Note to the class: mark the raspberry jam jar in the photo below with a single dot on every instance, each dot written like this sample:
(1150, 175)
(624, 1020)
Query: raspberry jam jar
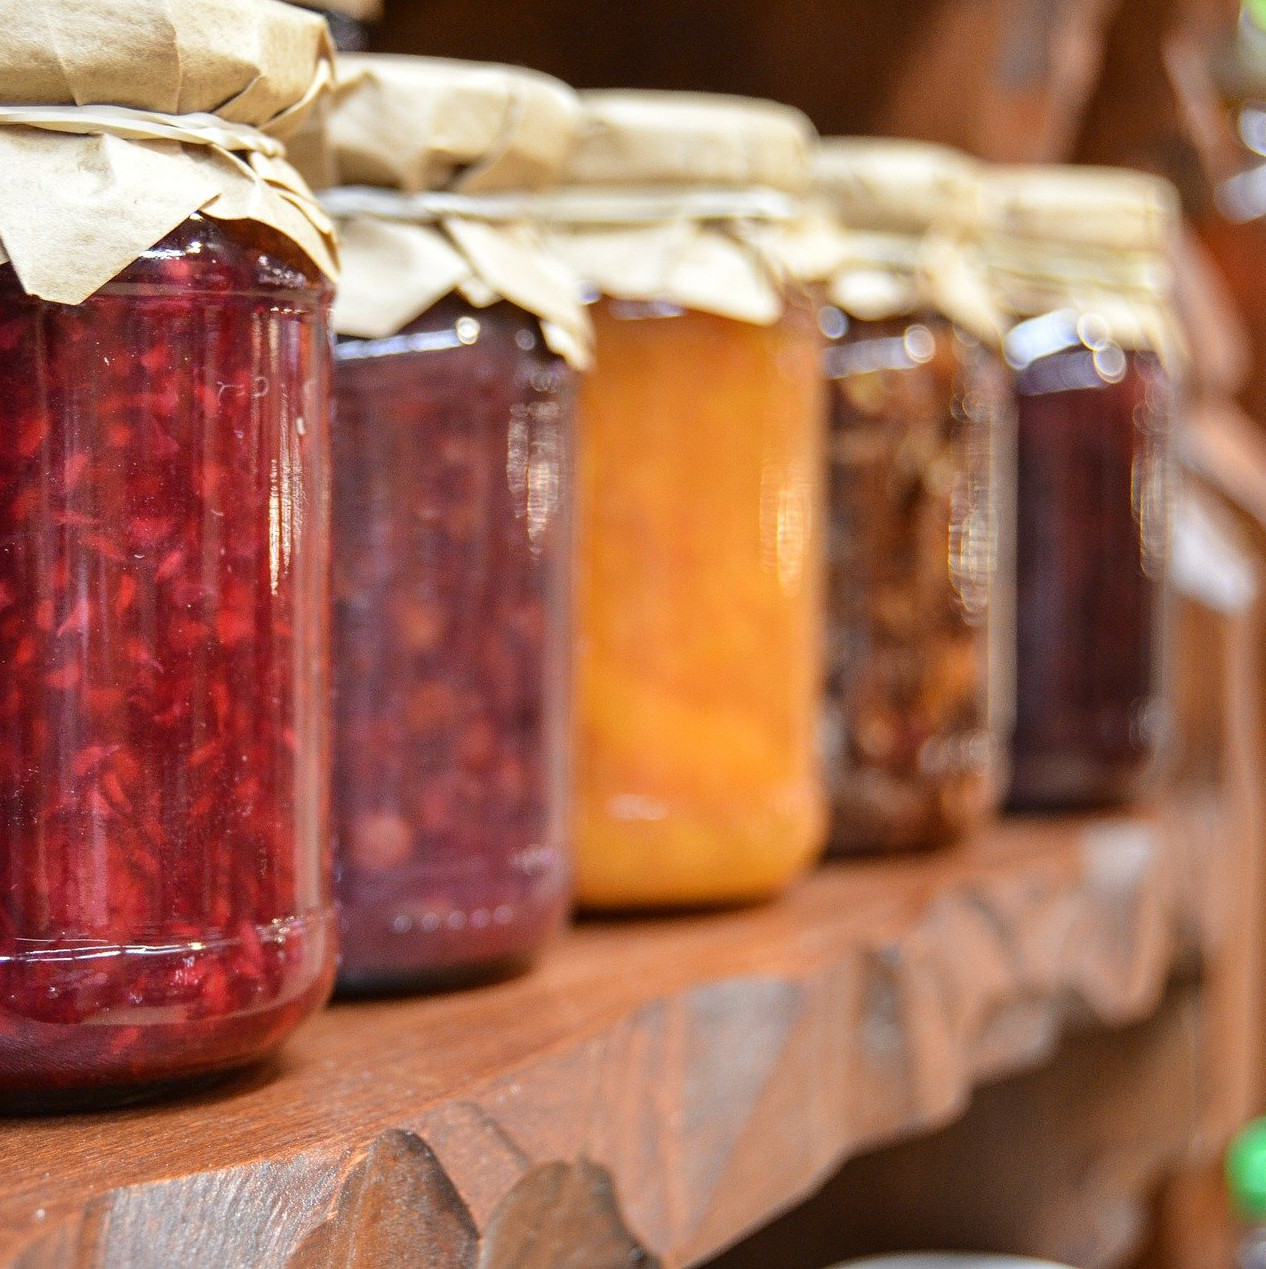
(451, 607)
(1079, 259)
(164, 488)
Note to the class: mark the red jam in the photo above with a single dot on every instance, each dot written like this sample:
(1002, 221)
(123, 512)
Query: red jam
(1092, 539)
(164, 912)
(452, 567)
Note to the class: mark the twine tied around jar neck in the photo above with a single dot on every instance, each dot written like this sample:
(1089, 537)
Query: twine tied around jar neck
(577, 206)
(1131, 291)
(404, 251)
(146, 125)
(875, 274)
(713, 248)
(1046, 265)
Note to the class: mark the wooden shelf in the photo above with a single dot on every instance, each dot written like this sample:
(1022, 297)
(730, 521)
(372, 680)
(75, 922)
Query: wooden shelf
(657, 1088)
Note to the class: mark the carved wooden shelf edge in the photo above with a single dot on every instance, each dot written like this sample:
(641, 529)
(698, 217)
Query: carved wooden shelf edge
(656, 1089)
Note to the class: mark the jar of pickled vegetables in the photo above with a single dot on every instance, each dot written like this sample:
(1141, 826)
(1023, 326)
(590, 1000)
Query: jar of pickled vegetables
(1077, 259)
(701, 517)
(459, 337)
(165, 909)
(918, 691)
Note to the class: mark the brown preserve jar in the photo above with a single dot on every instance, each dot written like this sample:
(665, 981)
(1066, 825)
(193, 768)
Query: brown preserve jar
(920, 472)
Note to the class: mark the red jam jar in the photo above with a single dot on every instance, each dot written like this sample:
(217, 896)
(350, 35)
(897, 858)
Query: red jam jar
(164, 493)
(452, 551)
(1078, 258)
(165, 905)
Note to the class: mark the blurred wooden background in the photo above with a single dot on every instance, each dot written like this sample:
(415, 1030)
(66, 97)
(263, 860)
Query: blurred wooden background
(1006, 79)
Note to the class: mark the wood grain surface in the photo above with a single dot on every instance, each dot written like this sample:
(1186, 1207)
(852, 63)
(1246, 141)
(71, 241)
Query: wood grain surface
(656, 1089)
(1057, 1163)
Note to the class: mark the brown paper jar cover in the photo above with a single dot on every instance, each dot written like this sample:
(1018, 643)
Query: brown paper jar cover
(488, 136)
(683, 197)
(1089, 239)
(89, 189)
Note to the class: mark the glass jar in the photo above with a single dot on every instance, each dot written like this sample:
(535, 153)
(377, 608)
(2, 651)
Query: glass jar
(701, 503)
(699, 606)
(918, 639)
(1093, 425)
(911, 757)
(164, 899)
(452, 575)
(459, 335)
(1079, 260)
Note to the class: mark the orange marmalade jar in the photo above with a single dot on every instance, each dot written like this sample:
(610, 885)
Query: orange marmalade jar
(700, 491)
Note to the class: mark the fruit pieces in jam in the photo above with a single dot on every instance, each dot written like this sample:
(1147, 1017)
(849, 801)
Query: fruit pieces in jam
(452, 600)
(164, 908)
(699, 618)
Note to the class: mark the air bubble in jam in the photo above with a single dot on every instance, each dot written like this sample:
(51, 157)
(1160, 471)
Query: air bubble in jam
(451, 598)
(164, 909)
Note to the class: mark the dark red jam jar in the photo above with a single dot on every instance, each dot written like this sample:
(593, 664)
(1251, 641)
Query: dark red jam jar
(452, 575)
(1079, 265)
(164, 490)
(1093, 426)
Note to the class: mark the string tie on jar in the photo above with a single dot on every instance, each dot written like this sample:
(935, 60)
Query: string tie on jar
(132, 124)
(1127, 290)
(580, 206)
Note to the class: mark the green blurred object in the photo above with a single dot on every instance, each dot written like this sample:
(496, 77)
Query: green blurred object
(1246, 1170)
(1255, 11)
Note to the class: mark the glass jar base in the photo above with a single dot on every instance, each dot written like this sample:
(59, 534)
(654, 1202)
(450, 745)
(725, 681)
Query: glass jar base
(867, 836)
(853, 846)
(1071, 784)
(99, 1049)
(431, 980)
